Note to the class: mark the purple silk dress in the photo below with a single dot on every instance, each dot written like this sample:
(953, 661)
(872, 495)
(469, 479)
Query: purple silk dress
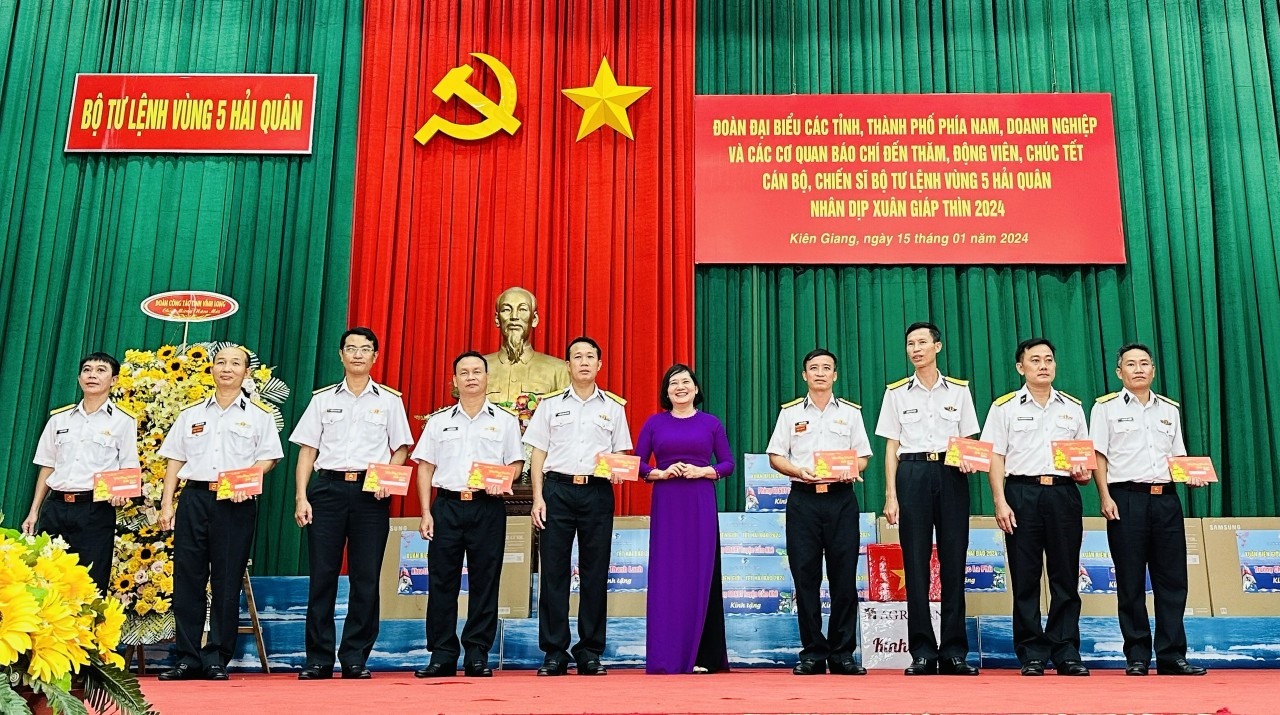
(685, 624)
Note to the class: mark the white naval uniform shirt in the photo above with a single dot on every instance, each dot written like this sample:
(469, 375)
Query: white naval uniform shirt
(211, 440)
(803, 429)
(77, 445)
(1022, 431)
(572, 431)
(1136, 439)
(452, 441)
(924, 419)
(352, 431)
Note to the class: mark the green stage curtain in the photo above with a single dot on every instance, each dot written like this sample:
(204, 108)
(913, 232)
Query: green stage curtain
(84, 238)
(1193, 86)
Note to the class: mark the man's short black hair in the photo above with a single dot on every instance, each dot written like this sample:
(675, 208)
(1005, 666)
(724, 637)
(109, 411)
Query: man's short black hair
(1132, 346)
(664, 399)
(816, 353)
(362, 332)
(933, 330)
(1029, 343)
(588, 341)
(102, 357)
(469, 354)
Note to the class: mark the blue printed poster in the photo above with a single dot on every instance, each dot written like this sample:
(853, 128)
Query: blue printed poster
(767, 490)
(1097, 570)
(985, 569)
(1259, 560)
(628, 562)
(413, 579)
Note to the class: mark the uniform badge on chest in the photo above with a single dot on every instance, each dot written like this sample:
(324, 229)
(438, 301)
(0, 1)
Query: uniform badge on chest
(801, 427)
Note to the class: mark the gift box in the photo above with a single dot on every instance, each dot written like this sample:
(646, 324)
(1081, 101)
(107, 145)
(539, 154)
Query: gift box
(886, 577)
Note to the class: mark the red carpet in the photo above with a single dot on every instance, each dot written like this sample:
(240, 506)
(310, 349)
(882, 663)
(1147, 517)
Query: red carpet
(757, 691)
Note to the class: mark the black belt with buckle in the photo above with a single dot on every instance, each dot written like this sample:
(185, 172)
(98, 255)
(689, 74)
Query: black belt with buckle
(354, 475)
(468, 495)
(1044, 480)
(200, 485)
(74, 497)
(922, 457)
(1144, 487)
(821, 487)
(576, 479)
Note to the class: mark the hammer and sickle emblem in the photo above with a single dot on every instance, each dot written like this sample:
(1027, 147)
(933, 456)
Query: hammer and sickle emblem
(497, 116)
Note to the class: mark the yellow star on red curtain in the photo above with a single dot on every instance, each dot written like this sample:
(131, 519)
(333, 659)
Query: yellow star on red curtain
(605, 102)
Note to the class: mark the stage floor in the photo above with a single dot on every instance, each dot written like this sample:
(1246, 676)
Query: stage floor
(755, 691)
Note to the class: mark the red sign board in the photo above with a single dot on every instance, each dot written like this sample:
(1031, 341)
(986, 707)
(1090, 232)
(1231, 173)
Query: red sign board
(906, 179)
(198, 113)
(189, 306)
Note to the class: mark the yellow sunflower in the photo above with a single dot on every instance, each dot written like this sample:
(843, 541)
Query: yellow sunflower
(19, 618)
(124, 583)
(174, 367)
(166, 352)
(198, 353)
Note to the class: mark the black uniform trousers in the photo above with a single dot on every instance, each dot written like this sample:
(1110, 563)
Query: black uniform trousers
(1048, 535)
(821, 525)
(88, 527)
(1150, 536)
(475, 529)
(584, 510)
(933, 496)
(344, 516)
(211, 544)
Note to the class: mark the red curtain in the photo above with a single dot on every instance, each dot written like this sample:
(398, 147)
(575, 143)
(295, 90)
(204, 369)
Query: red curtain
(600, 230)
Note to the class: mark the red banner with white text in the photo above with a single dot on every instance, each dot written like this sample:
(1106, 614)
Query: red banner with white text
(198, 113)
(906, 179)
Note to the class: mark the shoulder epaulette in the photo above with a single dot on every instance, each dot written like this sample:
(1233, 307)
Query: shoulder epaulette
(509, 410)
(850, 403)
(1005, 398)
(549, 395)
(446, 408)
(197, 403)
(62, 409)
(326, 387)
(1107, 397)
(792, 403)
(392, 390)
(1073, 398)
(615, 398)
(1162, 397)
(263, 406)
(135, 417)
(899, 383)
(957, 381)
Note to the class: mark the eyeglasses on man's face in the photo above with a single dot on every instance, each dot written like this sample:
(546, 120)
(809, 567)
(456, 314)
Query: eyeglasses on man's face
(354, 350)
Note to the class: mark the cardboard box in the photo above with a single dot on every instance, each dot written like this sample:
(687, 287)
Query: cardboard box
(1244, 565)
(1104, 604)
(987, 584)
(513, 589)
(628, 570)
(883, 633)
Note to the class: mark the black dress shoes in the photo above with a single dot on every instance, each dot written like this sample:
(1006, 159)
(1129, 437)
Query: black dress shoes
(183, 671)
(1033, 667)
(215, 672)
(1179, 667)
(553, 667)
(808, 666)
(477, 669)
(922, 666)
(845, 666)
(355, 672)
(1072, 668)
(592, 667)
(436, 670)
(316, 672)
(1135, 668)
(955, 666)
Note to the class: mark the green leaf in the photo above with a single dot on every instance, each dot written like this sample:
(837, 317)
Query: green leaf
(60, 700)
(108, 688)
(10, 701)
